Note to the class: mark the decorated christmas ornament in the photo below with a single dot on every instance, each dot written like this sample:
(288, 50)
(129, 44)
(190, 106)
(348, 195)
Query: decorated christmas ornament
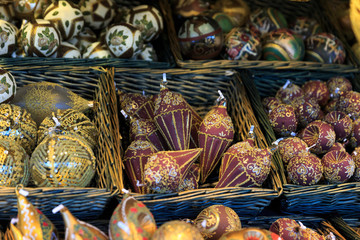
(148, 20)
(289, 92)
(309, 233)
(39, 38)
(148, 53)
(332, 105)
(189, 8)
(250, 234)
(76, 229)
(42, 98)
(355, 155)
(173, 118)
(96, 50)
(305, 27)
(177, 230)
(66, 17)
(216, 220)
(283, 120)
(338, 147)
(14, 164)
(318, 49)
(17, 125)
(307, 110)
(67, 50)
(85, 38)
(341, 123)
(137, 105)
(288, 229)
(124, 40)
(195, 125)
(270, 102)
(31, 222)
(238, 10)
(321, 135)
(165, 171)
(338, 86)
(241, 44)
(97, 13)
(62, 161)
(349, 103)
(192, 179)
(283, 45)
(316, 90)
(200, 38)
(267, 20)
(216, 133)
(224, 20)
(7, 11)
(305, 169)
(7, 38)
(355, 134)
(30, 10)
(131, 219)
(7, 86)
(291, 147)
(68, 122)
(338, 166)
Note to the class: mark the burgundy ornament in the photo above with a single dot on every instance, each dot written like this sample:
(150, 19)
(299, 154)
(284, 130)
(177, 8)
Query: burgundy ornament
(286, 228)
(341, 123)
(270, 102)
(332, 105)
(306, 110)
(350, 104)
(136, 105)
(283, 120)
(135, 158)
(305, 170)
(191, 180)
(317, 90)
(195, 124)
(165, 171)
(291, 147)
(355, 134)
(289, 92)
(216, 133)
(338, 86)
(356, 157)
(337, 147)
(321, 115)
(321, 135)
(310, 234)
(338, 166)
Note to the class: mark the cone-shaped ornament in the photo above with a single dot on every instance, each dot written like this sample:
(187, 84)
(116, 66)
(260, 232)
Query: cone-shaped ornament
(216, 133)
(76, 229)
(16, 233)
(137, 105)
(195, 124)
(173, 118)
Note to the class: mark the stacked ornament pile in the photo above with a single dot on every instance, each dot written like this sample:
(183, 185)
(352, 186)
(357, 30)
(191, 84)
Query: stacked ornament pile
(168, 136)
(320, 122)
(45, 139)
(90, 29)
(228, 30)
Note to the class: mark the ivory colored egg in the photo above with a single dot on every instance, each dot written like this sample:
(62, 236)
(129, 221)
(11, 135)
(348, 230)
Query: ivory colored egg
(148, 53)
(7, 38)
(85, 38)
(7, 86)
(30, 9)
(97, 13)
(67, 50)
(7, 12)
(96, 50)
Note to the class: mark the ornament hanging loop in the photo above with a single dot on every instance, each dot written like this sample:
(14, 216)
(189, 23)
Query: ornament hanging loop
(221, 99)
(164, 81)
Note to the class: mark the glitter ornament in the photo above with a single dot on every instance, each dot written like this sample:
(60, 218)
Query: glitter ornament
(338, 166)
(97, 13)
(66, 17)
(191, 180)
(321, 135)
(307, 110)
(338, 86)
(250, 234)
(283, 120)
(305, 169)
(216, 220)
(42, 98)
(165, 171)
(177, 230)
(267, 19)
(289, 92)
(291, 147)
(137, 105)
(305, 27)
(67, 50)
(30, 10)
(270, 102)
(317, 90)
(7, 38)
(341, 123)
(17, 125)
(7, 86)
(77, 229)
(355, 155)
(96, 50)
(355, 134)
(131, 219)
(349, 103)
(62, 161)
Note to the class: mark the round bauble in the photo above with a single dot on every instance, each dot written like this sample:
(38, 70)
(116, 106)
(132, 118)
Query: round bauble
(338, 166)
(97, 50)
(148, 53)
(305, 27)
(192, 179)
(30, 10)
(341, 123)
(85, 38)
(267, 19)
(124, 40)
(283, 45)
(319, 136)
(238, 10)
(349, 103)
(62, 161)
(305, 169)
(289, 92)
(283, 120)
(356, 157)
(148, 20)
(317, 90)
(324, 48)
(241, 44)
(14, 164)
(97, 13)
(216, 220)
(337, 147)
(338, 86)
(307, 110)
(67, 50)
(39, 38)
(291, 147)
(332, 105)
(224, 20)
(355, 134)
(7, 86)
(286, 228)
(250, 234)
(270, 102)
(177, 230)
(200, 38)
(7, 38)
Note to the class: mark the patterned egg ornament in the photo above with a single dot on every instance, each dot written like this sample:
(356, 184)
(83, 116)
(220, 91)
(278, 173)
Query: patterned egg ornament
(338, 166)
(30, 9)
(324, 48)
(349, 103)
(200, 38)
(356, 157)
(124, 40)
(192, 179)
(131, 219)
(7, 86)
(148, 20)
(317, 90)
(148, 53)
(289, 229)
(283, 45)
(241, 44)
(250, 233)
(305, 169)
(177, 230)
(165, 171)
(7, 38)
(97, 50)
(216, 220)
(224, 20)
(338, 147)
(341, 123)
(137, 105)
(283, 120)
(238, 10)
(270, 102)
(66, 17)
(97, 13)
(62, 161)
(355, 134)
(85, 38)
(291, 147)
(39, 38)
(305, 27)
(338, 86)
(267, 20)
(307, 110)
(7, 12)
(289, 92)
(320, 135)
(67, 50)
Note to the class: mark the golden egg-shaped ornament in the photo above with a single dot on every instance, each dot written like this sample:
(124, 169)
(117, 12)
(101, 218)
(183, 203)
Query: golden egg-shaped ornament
(177, 230)
(7, 86)
(250, 234)
(17, 124)
(216, 220)
(130, 220)
(68, 122)
(30, 9)
(14, 164)
(62, 161)
(42, 98)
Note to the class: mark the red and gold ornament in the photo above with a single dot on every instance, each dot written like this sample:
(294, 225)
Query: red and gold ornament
(307, 110)
(341, 123)
(289, 92)
(338, 166)
(177, 230)
(350, 104)
(338, 85)
(317, 90)
(305, 169)
(291, 147)
(192, 178)
(270, 102)
(283, 120)
(356, 157)
(355, 134)
(321, 135)
(137, 105)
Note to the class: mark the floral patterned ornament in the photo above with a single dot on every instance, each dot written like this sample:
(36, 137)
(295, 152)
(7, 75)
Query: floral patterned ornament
(30, 9)
(339, 166)
(305, 169)
(7, 86)
(97, 13)
(7, 38)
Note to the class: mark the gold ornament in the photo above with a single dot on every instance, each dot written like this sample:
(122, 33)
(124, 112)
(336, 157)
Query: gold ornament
(17, 124)
(68, 122)
(177, 230)
(62, 161)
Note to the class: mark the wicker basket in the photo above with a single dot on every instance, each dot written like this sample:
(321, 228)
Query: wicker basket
(199, 87)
